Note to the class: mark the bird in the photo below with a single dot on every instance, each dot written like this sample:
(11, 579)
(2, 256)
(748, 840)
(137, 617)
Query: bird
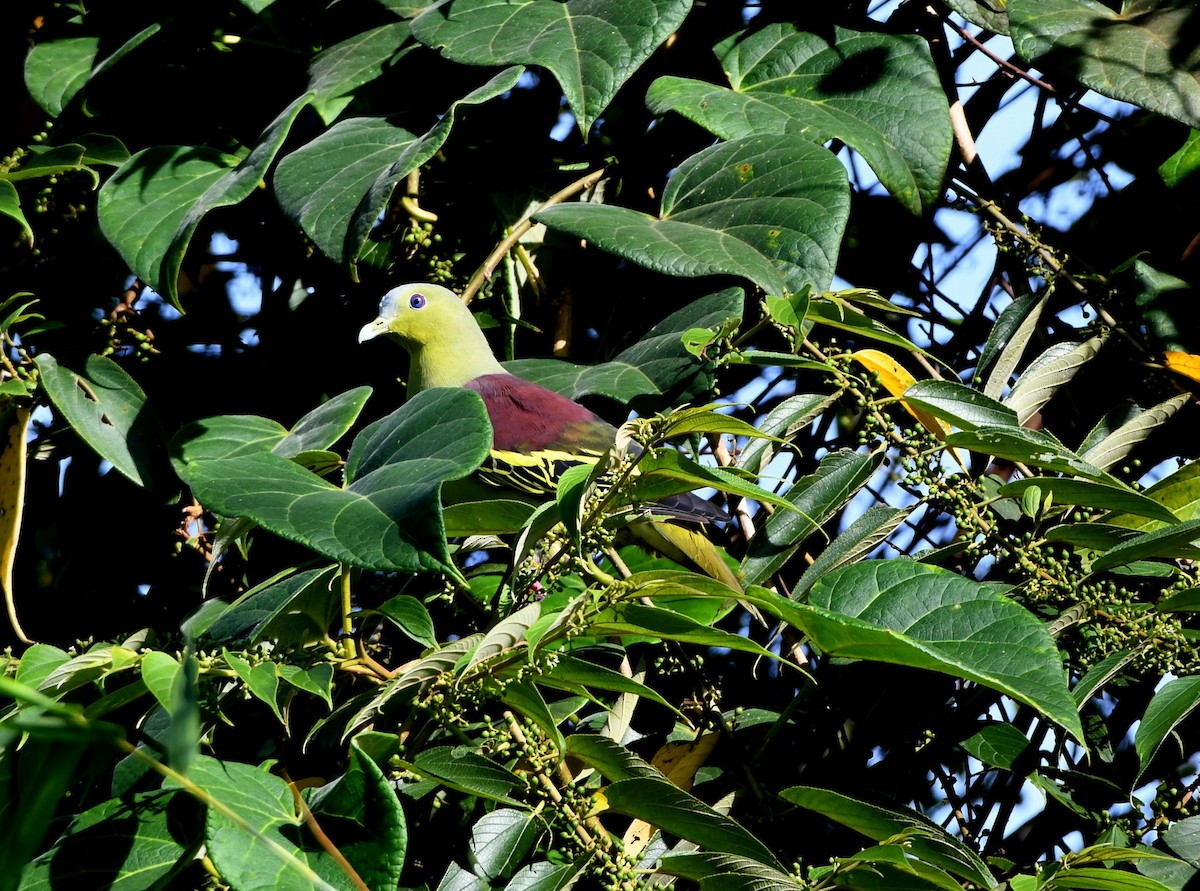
(537, 433)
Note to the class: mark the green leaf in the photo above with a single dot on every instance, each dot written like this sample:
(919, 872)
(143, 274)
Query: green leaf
(616, 380)
(660, 355)
(668, 807)
(505, 635)
(295, 611)
(923, 838)
(713, 869)
(1120, 442)
(1185, 601)
(839, 314)
(1173, 702)
(669, 472)
(1183, 163)
(590, 46)
(906, 613)
(524, 698)
(988, 14)
(500, 840)
(423, 672)
(253, 849)
(261, 679)
(571, 674)
(38, 662)
(335, 186)
(108, 410)
(878, 93)
(317, 680)
(998, 745)
(56, 70)
(816, 497)
(10, 206)
(150, 208)
(1033, 447)
(1099, 675)
(613, 760)
(1089, 494)
(1170, 541)
(771, 209)
(322, 427)
(1048, 373)
(1179, 493)
(783, 421)
(411, 617)
(1010, 335)
(158, 671)
(389, 516)
(129, 841)
(335, 73)
(1099, 878)
(636, 620)
(960, 405)
(1147, 57)
(362, 811)
(464, 770)
(860, 538)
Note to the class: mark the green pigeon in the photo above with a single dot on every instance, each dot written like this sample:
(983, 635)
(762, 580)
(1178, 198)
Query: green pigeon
(536, 433)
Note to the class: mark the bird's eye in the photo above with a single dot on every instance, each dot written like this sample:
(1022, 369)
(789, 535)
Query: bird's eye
(416, 301)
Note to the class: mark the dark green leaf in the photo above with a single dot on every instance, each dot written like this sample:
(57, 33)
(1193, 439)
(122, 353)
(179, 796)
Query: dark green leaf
(150, 208)
(335, 73)
(878, 93)
(55, 70)
(411, 617)
(998, 745)
(1171, 704)
(960, 405)
(108, 410)
(925, 839)
(590, 46)
(501, 839)
(907, 613)
(128, 841)
(1034, 447)
(10, 206)
(295, 611)
(616, 380)
(768, 208)
(1149, 58)
(336, 186)
(1090, 494)
(662, 804)
(462, 769)
(389, 517)
(816, 498)
(1170, 541)
(860, 538)
(614, 761)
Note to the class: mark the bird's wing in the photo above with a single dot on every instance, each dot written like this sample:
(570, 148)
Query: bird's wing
(536, 433)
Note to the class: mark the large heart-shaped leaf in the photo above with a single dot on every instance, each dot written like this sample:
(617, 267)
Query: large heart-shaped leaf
(590, 46)
(907, 613)
(151, 206)
(1148, 57)
(335, 186)
(388, 517)
(878, 93)
(768, 208)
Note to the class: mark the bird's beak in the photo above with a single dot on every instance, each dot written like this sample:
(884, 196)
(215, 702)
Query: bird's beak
(372, 330)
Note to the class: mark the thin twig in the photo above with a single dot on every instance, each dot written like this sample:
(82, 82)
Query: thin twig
(485, 271)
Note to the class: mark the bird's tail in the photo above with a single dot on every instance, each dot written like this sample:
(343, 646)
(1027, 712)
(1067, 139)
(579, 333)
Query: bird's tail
(688, 507)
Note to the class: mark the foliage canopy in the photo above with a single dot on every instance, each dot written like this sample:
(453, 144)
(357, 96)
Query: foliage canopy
(943, 388)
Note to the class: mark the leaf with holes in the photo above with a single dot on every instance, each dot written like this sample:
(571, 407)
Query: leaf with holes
(108, 410)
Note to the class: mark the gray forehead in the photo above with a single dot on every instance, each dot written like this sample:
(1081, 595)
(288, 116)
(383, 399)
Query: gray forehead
(392, 302)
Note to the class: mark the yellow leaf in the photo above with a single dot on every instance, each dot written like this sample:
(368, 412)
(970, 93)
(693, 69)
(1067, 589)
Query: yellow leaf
(1184, 364)
(896, 379)
(13, 420)
(678, 762)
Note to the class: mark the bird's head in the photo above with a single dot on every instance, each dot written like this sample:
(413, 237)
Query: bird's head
(439, 332)
(418, 314)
